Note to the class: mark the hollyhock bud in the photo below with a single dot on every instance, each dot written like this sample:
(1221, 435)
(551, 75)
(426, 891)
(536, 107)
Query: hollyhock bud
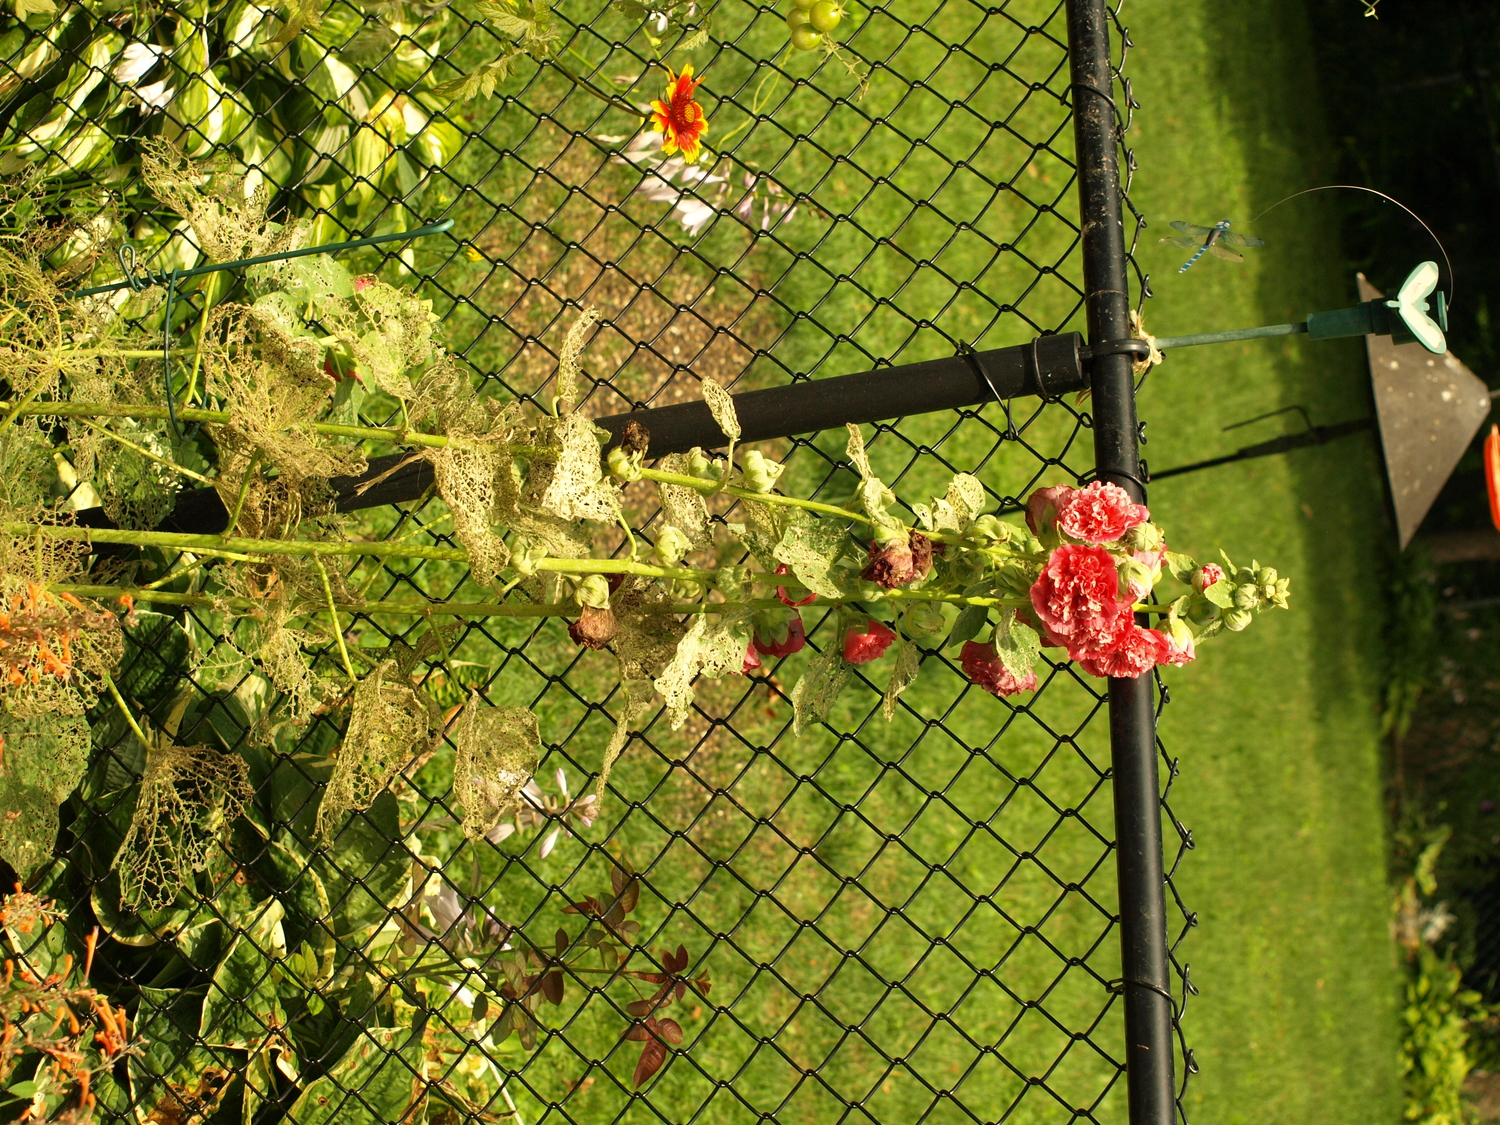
(897, 563)
(594, 628)
(863, 646)
(1143, 537)
(671, 545)
(982, 664)
(1100, 513)
(1136, 580)
(1180, 646)
(1247, 596)
(752, 659)
(624, 466)
(593, 591)
(792, 641)
(992, 528)
(699, 464)
(1237, 619)
(1043, 505)
(760, 474)
(1206, 575)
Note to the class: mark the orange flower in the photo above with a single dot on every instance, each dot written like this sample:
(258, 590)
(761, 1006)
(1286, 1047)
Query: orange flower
(680, 119)
(1492, 473)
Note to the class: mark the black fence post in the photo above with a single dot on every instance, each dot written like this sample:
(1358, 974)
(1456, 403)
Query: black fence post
(1132, 725)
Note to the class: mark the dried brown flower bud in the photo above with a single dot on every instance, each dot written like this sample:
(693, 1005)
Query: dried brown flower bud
(636, 439)
(594, 628)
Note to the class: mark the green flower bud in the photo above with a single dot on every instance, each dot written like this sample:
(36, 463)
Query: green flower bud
(1265, 576)
(1246, 597)
(524, 555)
(1136, 580)
(698, 463)
(925, 619)
(593, 591)
(624, 466)
(760, 474)
(991, 528)
(1237, 619)
(1201, 611)
(671, 545)
(1143, 537)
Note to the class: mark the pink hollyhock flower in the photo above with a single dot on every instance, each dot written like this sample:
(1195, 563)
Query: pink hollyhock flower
(1100, 513)
(783, 597)
(896, 563)
(982, 664)
(1077, 593)
(1043, 505)
(794, 641)
(1207, 575)
(1140, 651)
(863, 647)
(752, 659)
(1104, 637)
(363, 282)
(594, 628)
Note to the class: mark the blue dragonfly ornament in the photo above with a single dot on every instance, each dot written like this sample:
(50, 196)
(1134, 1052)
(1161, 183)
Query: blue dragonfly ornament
(1214, 240)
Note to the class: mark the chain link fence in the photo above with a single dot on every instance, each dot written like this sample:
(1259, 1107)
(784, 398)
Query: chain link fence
(881, 920)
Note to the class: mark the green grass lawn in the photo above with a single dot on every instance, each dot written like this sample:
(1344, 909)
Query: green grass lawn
(913, 918)
(1276, 729)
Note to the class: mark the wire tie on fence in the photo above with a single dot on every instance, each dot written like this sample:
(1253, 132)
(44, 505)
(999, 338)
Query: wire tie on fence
(968, 352)
(1121, 982)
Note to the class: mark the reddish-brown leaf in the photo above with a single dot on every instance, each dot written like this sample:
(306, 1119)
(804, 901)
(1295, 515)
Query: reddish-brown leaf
(703, 984)
(653, 1054)
(562, 942)
(552, 987)
(640, 1008)
(638, 1033)
(670, 1030)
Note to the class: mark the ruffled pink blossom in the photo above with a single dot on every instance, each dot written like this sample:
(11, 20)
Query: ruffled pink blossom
(1139, 651)
(1043, 506)
(1184, 653)
(982, 664)
(1100, 513)
(863, 646)
(1077, 594)
(781, 593)
(752, 659)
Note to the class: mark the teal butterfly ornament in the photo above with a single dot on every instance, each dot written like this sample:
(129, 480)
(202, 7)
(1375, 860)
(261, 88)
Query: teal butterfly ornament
(1410, 318)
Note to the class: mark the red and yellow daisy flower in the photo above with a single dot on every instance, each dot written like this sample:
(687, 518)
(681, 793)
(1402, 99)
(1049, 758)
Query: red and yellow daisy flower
(680, 119)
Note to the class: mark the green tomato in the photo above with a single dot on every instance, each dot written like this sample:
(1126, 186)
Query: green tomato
(825, 15)
(805, 38)
(796, 18)
(805, 5)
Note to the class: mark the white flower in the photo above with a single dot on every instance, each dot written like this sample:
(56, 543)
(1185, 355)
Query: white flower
(694, 215)
(135, 61)
(156, 96)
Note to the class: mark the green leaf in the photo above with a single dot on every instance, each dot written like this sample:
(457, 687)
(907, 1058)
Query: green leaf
(44, 759)
(505, 20)
(966, 626)
(811, 547)
(1221, 593)
(696, 39)
(814, 696)
(908, 663)
(1181, 566)
(1017, 645)
(175, 1078)
(27, 8)
(376, 1082)
(242, 1009)
(365, 876)
(158, 654)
